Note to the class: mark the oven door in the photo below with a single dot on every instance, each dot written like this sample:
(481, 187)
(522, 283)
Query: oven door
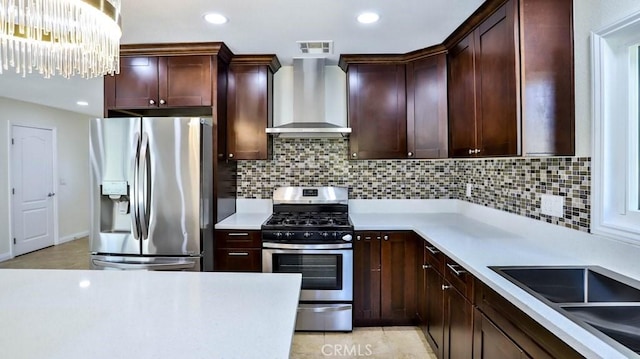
(327, 269)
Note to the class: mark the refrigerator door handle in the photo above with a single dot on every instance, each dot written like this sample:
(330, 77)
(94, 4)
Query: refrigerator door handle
(177, 265)
(144, 187)
(135, 218)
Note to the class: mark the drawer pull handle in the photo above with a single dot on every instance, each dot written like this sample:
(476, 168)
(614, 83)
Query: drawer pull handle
(426, 266)
(445, 287)
(454, 268)
(239, 254)
(238, 234)
(432, 250)
(367, 238)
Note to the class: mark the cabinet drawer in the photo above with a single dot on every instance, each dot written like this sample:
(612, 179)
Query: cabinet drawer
(238, 239)
(459, 278)
(238, 260)
(434, 257)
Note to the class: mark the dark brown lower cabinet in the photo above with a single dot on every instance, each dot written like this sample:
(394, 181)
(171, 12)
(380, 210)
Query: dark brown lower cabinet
(384, 278)
(458, 324)
(237, 260)
(434, 322)
(513, 331)
(237, 251)
(491, 342)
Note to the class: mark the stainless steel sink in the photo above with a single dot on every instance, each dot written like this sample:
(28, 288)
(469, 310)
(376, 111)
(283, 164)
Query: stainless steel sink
(572, 284)
(620, 322)
(604, 302)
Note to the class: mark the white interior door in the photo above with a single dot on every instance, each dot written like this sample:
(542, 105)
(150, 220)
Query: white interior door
(32, 188)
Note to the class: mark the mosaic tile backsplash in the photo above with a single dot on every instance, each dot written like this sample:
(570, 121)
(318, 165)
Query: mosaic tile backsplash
(510, 184)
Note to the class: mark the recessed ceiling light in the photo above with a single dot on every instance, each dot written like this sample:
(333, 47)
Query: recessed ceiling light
(82, 103)
(216, 18)
(368, 17)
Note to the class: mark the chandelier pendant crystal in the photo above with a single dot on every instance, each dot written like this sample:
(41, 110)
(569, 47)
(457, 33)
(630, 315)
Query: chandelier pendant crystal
(60, 37)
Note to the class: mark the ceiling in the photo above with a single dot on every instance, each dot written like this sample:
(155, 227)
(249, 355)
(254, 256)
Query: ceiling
(258, 27)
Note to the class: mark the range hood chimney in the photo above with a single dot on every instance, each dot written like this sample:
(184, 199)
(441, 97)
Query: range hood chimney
(309, 101)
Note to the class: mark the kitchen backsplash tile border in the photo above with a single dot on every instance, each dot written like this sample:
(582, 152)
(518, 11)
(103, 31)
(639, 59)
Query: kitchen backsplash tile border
(510, 184)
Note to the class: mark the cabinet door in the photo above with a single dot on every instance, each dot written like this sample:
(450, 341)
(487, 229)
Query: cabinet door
(497, 91)
(249, 112)
(490, 342)
(427, 107)
(398, 286)
(458, 332)
(366, 278)
(184, 81)
(547, 77)
(377, 111)
(462, 110)
(421, 280)
(435, 311)
(237, 260)
(136, 86)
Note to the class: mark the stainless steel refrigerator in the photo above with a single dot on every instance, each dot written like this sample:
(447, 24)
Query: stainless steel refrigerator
(151, 193)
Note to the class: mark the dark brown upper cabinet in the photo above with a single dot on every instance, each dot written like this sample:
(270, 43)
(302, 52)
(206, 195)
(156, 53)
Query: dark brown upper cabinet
(157, 82)
(511, 80)
(377, 111)
(397, 104)
(483, 99)
(427, 107)
(158, 77)
(250, 106)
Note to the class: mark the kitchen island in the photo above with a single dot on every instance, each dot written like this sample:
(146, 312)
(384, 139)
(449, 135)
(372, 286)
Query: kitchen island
(138, 314)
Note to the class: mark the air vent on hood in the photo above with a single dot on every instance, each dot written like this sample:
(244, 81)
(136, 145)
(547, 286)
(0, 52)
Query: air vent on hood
(309, 101)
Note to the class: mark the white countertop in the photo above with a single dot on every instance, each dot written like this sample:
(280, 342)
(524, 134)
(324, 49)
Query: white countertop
(82, 314)
(478, 237)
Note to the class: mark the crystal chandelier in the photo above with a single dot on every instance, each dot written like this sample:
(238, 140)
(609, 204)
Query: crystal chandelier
(60, 37)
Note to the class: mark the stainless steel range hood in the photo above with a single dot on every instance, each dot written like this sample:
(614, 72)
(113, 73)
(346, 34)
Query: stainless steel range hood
(309, 101)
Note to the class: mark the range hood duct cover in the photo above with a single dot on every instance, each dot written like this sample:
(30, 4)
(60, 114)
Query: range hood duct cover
(309, 101)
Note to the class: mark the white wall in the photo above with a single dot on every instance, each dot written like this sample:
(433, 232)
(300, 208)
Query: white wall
(73, 165)
(591, 15)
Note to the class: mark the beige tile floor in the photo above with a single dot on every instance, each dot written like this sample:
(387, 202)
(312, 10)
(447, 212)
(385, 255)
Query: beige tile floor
(373, 343)
(69, 255)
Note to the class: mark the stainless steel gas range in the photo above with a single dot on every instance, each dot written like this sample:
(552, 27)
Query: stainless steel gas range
(310, 233)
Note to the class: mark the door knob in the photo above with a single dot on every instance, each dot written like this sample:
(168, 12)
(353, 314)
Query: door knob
(50, 194)
(162, 102)
(426, 266)
(471, 151)
(410, 154)
(445, 287)
(152, 102)
(354, 155)
(231, 155)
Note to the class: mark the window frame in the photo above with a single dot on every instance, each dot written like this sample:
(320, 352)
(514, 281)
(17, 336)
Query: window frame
(615, 210)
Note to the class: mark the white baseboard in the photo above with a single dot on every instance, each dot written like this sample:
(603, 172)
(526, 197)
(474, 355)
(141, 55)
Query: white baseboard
(73, 236)
(5, 256)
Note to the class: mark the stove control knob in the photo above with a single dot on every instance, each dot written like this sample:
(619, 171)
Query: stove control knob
(288, 234)
(324, 234)
(347, 238)
(307, 234)
(278, 234)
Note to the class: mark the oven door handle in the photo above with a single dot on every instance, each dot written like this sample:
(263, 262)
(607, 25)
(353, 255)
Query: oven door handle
(271, 245)
(325, 309)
